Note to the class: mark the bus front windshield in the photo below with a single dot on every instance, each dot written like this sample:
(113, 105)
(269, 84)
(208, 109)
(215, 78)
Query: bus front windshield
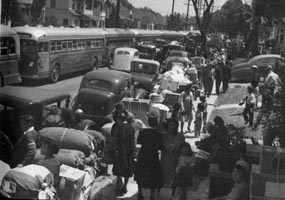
(28, 47)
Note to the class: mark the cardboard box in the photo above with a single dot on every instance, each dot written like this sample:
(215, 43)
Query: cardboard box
(164, 84)
(266, 185)
(273, 160)
(71, 182)
(139, 107)
(173, 85)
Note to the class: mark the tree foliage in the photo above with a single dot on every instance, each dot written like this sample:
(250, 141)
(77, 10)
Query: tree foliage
(204, 20)
(36, 10)
(174, 22)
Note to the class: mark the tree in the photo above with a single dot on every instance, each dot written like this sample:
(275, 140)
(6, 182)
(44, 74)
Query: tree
(36, 10)
(174, 22)
(203, 22)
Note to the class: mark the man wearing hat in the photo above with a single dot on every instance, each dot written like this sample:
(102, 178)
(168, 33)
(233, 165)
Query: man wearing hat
(271, 84)
(25, 149)
(240, 175)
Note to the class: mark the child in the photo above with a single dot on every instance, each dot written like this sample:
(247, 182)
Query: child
(183, 171)
(199, 119)
(49, 149)
(205, 113)
(249, 101)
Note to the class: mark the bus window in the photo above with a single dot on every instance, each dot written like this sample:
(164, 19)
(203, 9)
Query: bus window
(69, 45)
(11, 46)
(74, 44)
(52, 43)
(4, 47)
(64, 45)
(58, 45)
(43, 47)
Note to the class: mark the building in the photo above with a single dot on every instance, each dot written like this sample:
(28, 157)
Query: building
(83, 13)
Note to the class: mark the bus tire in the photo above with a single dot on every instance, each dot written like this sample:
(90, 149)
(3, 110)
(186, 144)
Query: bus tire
(54, 74)
(1, 81)
(95, 64)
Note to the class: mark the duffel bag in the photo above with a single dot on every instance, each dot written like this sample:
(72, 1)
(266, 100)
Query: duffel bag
(98, 139)
(26, 182)
(68, 139)
(68, 157)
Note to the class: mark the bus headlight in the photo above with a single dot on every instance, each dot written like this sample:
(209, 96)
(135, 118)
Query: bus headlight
(31, 64)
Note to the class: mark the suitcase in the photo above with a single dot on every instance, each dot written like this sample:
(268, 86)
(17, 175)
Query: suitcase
(104, 188)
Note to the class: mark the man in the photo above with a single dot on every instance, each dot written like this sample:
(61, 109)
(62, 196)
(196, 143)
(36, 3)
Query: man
(25, 149)
(226, 69)
(218, 74)
(208, 78)
(271, 83)
(80, 123)
(254, 82)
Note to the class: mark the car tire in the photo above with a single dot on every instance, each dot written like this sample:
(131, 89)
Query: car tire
(54, 74)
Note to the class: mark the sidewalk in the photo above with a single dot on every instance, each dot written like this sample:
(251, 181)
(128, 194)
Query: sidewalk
(165, 194)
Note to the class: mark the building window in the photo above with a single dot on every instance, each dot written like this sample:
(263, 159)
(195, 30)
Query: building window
(88, 4)
(52, 3)
(73, 4)
(65, 22)
(75, 22)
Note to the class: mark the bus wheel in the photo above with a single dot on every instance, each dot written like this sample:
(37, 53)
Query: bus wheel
(54, 74)
(95, 64)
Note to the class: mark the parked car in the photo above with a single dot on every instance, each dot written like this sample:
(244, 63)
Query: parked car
(99, 91)
(146, 51)
(145, 75)
(123, 57)
(17, 101)
(242, 71)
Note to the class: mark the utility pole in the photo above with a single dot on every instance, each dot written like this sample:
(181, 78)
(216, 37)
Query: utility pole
(187, 15)
(118, 14)
(172, 12)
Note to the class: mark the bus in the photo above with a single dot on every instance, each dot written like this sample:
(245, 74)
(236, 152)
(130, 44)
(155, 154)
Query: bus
(49, 52)
(118, 38)
(9, 56)
(146, 36)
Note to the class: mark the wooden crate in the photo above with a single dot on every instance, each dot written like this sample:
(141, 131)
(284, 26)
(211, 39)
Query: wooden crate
(253, 153)
(266, 185)
(270, 159)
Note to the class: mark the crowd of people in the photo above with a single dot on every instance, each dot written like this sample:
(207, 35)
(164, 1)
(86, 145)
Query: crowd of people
(165, 159)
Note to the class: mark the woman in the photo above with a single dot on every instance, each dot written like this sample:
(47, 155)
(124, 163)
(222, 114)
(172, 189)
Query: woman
(221, 132)
(186, 101)
(122, 136)
(171, 145)
(148, 172)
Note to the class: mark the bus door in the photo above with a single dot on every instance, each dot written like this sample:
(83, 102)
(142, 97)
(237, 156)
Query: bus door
(43, 57)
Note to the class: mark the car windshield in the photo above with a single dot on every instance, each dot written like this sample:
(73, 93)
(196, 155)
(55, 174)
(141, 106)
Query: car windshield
(98, 84)
(91, 107)
(146, 68)
(177, 54)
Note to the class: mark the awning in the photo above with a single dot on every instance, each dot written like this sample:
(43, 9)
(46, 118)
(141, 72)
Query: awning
(74, 13)
(92, 17)
(25, 1)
